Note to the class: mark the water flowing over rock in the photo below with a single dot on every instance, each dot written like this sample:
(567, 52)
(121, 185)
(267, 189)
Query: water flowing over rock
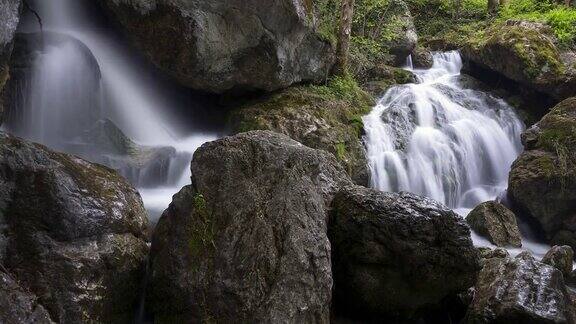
(525, 52)
(72, 235)
(228, 45)
(247, 242)
(9, 17)
(441, 140)
(56, 96)
(520, 290)
(495, 221)
(543, 179)
(396, 255)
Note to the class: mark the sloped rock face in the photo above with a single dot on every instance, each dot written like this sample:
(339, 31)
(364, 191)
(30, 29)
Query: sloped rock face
(19, 306)
(396, 255)
(520, 290)
(227, 45)
(247, 242)
(72, 234)
(525, 52)
(9, 17)
(542, 181)
(496, 222)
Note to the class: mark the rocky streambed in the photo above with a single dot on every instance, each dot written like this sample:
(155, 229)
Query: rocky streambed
(276, 223)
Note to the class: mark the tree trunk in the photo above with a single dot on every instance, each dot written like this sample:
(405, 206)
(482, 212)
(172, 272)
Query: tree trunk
(493, 7)
(343, 48)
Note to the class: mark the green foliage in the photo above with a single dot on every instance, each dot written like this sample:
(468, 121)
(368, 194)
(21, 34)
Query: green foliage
(443, 19)
(561, 19)
(340, 151)
(343, 88)
(203, 232)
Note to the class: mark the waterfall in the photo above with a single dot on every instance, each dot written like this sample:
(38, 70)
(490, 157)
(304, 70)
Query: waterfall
(441, 139)
(80, 90)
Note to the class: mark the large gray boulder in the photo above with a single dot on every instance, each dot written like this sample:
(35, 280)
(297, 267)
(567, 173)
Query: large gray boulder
(247, 242)
(9, 17)
(520, 290)
(542, 180)
(496, 222)
(397, 255)
(227, 45)
(72, 235)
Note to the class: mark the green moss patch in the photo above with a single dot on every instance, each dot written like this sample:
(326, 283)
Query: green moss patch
(327, 117)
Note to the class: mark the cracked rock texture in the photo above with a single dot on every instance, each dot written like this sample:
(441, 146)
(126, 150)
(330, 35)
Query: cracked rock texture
(247, 241)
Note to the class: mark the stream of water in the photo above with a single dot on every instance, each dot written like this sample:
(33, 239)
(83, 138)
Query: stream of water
(444, 139)
(86, 94)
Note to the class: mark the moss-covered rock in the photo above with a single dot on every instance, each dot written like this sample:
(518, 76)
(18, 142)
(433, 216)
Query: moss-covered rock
(323, 117)
(383, 77)
(524, 52)
(543, 179)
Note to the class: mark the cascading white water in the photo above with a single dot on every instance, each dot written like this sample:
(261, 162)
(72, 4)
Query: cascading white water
(85, 91)
(438, 139)
(441, 139)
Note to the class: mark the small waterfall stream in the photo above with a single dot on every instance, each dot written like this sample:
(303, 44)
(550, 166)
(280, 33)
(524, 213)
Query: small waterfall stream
(85, 93)
(441, 139)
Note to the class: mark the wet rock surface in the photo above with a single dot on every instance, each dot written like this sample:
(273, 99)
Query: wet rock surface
(227, 45)
(247, 242)
(496, 222)
(520, 290)
(9, 18)
(542, 181)
(72, 236)
(18, 305)
(397, 255)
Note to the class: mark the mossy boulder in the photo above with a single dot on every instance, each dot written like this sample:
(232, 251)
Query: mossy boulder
(542, 181)
(72, 235)
(322, 117)
(385, 77)
(247, 241)
(524, 52)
